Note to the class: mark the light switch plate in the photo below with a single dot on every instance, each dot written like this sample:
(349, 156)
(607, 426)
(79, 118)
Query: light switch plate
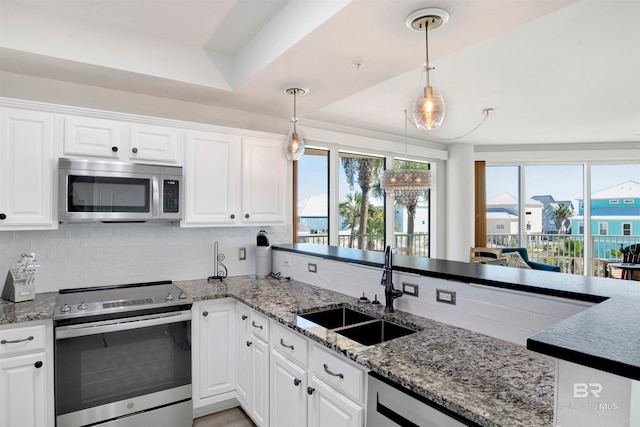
(313, 268)
(242, 254)
(410, 289)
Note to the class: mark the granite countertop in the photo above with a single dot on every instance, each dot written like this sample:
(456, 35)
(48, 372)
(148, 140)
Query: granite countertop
(603, 337)
(488, 381)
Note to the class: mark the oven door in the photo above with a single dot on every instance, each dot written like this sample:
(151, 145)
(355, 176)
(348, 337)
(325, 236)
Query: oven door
(117, 368)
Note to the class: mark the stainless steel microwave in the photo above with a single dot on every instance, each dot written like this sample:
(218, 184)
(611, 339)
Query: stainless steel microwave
(104, 191)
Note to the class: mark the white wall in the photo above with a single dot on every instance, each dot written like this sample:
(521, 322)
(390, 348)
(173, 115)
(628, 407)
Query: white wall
(509, 315)
(79, 255)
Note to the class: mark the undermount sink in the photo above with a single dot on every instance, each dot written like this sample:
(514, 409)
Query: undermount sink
(337, 317)
(375, 332)
(356, 326)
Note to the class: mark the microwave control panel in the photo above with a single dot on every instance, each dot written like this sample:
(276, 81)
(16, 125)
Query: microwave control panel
(171, 196)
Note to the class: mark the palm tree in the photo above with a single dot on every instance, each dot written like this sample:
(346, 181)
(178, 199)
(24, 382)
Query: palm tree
(366, 171)
(350, 212)
(560, 216)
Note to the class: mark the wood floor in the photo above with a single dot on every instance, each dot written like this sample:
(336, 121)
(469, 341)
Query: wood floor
(234, 417)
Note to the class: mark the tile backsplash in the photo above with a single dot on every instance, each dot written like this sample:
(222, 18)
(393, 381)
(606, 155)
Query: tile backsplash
(78, 255)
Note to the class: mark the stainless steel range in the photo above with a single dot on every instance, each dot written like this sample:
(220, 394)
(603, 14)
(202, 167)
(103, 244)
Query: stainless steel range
(123, 356)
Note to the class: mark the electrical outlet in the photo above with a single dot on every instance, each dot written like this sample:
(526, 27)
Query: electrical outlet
(410, 289)
(242, 254)
(447, 297)
(313, 268)
(285, 262)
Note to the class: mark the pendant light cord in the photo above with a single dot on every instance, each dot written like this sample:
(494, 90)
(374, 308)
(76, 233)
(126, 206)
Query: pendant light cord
(295, 117)
(426, 40)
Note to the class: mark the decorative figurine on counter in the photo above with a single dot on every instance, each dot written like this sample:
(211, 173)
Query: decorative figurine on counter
(218, 274)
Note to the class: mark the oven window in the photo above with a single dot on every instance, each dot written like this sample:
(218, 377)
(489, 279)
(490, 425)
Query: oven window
(99, 369)
(106, 194)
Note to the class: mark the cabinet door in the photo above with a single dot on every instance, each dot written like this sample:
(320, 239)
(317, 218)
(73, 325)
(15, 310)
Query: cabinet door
(23, 391)
(211, 179)
(260, 389)
(215, 369)
(264, 178)
(26, 179)
(287, 392)
(153, 143)
(328, 407)
(88, 136)
(245, 376)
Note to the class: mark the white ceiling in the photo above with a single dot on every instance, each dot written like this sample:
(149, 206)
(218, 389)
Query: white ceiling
(555, 71)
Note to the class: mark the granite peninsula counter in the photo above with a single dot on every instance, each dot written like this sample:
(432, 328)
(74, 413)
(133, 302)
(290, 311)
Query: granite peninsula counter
(604, 337)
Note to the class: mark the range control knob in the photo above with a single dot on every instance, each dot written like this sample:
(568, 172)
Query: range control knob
(65, 308)
(169, 297)
(83, 306)
(183, 295)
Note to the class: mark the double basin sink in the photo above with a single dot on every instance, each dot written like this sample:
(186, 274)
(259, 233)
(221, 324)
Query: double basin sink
(352, 324)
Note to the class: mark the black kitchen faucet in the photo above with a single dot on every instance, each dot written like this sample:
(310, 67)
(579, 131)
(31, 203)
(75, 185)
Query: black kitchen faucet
(390, 293)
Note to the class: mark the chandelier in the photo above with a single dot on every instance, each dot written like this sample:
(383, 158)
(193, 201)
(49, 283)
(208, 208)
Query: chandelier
(407, 186)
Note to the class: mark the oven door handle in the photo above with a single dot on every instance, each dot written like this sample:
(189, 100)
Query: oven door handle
(116, 325)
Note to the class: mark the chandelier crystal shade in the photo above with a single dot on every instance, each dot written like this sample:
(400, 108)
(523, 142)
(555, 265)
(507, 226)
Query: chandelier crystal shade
(406, 185)
(294, 145)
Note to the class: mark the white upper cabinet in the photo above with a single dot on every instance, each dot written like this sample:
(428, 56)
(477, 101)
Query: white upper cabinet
(154, 143)
(121, 141)
(211, 175)
(264, 175)
(234, 180)
(26, 179)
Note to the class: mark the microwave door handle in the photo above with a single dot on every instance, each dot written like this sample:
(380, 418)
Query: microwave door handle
(155, 197)
(117, 325)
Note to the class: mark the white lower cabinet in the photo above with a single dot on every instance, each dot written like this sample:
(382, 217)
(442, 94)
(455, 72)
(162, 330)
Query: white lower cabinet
(328, 407)
(26, 376)
(253, 364)
(214, 353)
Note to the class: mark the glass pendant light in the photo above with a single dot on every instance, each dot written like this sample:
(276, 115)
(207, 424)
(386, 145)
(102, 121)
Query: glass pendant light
(428, 106)
(294, 145)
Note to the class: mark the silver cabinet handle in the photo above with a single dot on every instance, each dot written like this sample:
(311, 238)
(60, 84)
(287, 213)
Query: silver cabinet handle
(244, 317)
(333, 374)
(310, 390)
(284, 345)
(246, 215)
(296, 382)
(232, 216)
(38, 364)
(249, 343)
(134, 150)
(253, 323)
(205, 313)
(30, 338)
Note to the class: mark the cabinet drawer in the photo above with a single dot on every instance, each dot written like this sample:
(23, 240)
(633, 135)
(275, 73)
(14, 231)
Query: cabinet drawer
(22, 340)
(290, 344)
(339, 373)
(259, 326)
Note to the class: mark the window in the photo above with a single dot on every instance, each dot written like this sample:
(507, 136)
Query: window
(581, 228)
(313, 197)
(626, 229)
(361, 202)
(503, 199)
(603, 228)
(412, 219)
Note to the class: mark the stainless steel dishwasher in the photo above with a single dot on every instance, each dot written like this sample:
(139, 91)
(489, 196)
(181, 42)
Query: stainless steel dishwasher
(390, 405)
